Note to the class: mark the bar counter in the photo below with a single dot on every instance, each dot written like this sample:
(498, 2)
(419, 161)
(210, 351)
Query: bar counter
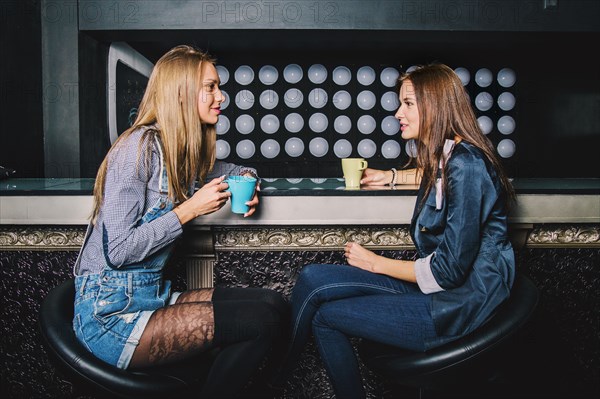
(298, 214)
(304, 201)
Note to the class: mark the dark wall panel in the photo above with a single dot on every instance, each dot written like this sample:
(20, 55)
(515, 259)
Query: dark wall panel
(22, 139)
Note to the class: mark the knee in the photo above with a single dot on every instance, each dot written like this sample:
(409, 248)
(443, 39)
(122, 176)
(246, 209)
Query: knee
(310, 279)
(310, 275)
(323, 316)
(268, 320)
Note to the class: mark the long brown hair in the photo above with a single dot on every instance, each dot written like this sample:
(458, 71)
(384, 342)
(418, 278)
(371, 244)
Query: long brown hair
(445, 112)
(170, 102)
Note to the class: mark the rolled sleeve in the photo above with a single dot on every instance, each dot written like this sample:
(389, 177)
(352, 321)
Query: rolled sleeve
(425, 279)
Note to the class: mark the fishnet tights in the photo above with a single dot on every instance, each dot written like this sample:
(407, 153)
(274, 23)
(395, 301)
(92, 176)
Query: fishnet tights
(179, 331)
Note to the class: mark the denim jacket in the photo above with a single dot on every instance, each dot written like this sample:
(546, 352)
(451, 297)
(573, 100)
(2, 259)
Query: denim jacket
(466, 260)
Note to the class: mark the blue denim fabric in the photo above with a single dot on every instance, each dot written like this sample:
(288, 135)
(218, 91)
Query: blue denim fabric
(112, 310)
(407, 324)
(473, 260)
(113, 307)
(335, 300)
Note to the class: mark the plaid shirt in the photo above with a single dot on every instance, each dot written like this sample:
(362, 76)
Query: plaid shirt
(131, 187)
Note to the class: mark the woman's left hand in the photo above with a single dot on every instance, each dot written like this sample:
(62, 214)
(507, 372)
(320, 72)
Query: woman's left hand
(360, 257)
(254, 201)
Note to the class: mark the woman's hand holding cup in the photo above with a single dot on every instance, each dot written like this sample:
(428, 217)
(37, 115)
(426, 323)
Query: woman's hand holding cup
(210, 198)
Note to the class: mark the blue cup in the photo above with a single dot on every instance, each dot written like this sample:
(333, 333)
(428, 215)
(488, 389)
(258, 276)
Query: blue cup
(242, 190)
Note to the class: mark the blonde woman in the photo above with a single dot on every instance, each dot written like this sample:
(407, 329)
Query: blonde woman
(125, 312)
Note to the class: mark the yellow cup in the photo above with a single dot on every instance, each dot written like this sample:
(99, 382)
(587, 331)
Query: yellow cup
(353, 169)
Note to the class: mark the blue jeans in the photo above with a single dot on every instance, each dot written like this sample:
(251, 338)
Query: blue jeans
(339, 301)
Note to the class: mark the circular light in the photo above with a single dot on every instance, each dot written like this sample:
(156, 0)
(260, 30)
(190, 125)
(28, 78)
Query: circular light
(485, 124)
(294, 147)
(390, 101)
(293, 98)
(244, 99)
(411, 148)
(484, 101)
(245, 149)
(366, 124)
(317, 73)
(244, 124)
(391, 149)
(366, 100)
(341, 75)
(365, 75)
(317, 98)
(222, 149)
(390, 125)
(342, 148)
(506, 148)
(506, 124)
(269, 124)
(268, 99)
(293, 122)
(506, 101)
(292, 73)
(463, 75)
(223, 125)
(342, 124)
(366, 148)
(244, 75)
(268, 74)
(318, 146)
(389, 77)
(318, 122)
(411, 68)
(225, 102)
(342, 99)
(270, 148)
(506, 77)
(223, 74)
(484, 77)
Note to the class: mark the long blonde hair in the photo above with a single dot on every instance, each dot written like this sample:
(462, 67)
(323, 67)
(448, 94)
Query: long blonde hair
(445, 112)
(171, 102)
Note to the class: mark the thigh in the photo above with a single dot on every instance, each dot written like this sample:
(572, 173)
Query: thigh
(402, 320)
(331, 282)
(198, 295)
(174, 333)
(252, 294)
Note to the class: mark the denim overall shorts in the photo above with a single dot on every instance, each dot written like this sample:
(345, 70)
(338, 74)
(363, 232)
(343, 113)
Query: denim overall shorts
(112, 308)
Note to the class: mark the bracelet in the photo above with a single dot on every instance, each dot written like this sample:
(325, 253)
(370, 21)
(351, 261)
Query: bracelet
(394, 176)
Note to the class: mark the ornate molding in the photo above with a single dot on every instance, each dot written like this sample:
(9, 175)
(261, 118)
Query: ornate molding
(37, 238)
(283, 238)
(561, 236)
(279, 238)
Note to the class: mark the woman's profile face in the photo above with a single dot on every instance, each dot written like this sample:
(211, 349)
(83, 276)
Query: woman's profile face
(408, 113)
(210, 96)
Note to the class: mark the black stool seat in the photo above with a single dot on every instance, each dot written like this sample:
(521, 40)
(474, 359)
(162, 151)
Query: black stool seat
(462, 361)
(91, 374)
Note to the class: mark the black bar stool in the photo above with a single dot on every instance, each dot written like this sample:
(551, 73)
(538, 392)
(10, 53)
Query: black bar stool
(470, 361)
(92, 375)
